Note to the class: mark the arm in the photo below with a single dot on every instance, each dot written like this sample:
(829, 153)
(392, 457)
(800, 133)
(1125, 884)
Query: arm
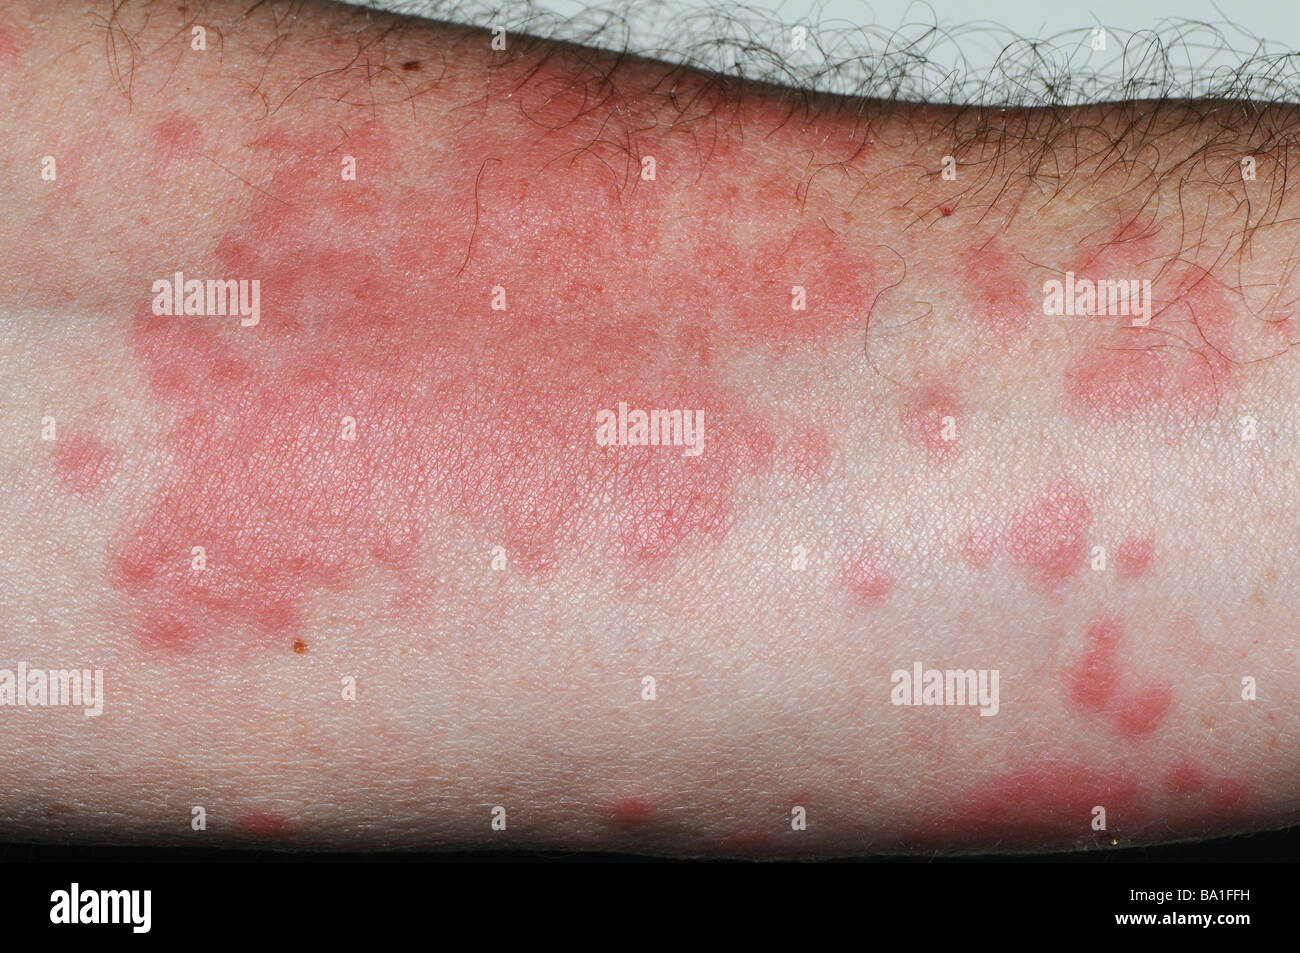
(375, 551)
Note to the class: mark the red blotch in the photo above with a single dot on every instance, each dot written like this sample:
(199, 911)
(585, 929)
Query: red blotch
(1048, 541)
(630, 811)
(1219, 800)
(1133, 557)
(267, 824)
(1140, 713)
(922, 421)
(1095, 685)
(945, 211)
(1033, 806)
(1229, 799)
(997, 299)
(82, 463)
(868, 577)
(1178, 367)
(177, 137)
(1094, 680)
(10, 47)
(1115, 384)
(1185, 778)
(375, 306)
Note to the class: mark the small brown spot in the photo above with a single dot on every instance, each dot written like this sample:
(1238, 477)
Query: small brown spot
(412, 66)
(300, 647)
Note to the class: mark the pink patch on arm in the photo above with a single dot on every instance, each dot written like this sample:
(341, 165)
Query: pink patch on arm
(82, 463)
(1048, 541)
(979, 547)
(1114, 384)
(376, 307)
(1035, 805)
(868, 578)
(177, 137)
(1133, 557)
(266, 824)
(1094, 680)
(999, 303)
(1095, 684)
(1140, 713)
(630, 811)
(924, 419)
(10, 47)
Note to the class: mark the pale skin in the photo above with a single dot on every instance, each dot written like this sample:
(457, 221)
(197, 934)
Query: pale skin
(425, 591)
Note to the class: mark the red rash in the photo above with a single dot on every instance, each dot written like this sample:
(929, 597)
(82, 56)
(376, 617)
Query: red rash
(1036, 803)
(630, 811)
(1133, 557)
(1176, 369)
(178, 137)
(1048, 541)
(1219, 799)
(263, 824)
(868, 578)
(82, 463)
(924, 418)
(1000, 306)
(1096, 685)
(376, 306)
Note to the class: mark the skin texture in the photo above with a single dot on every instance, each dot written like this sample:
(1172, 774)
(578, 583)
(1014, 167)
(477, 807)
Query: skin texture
(395, 484)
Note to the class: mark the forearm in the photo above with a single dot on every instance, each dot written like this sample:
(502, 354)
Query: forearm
(400, 473)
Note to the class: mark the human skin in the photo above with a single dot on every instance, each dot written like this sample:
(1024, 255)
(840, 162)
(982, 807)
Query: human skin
(916, 467)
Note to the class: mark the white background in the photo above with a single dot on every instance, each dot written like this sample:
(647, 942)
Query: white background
(962, 41)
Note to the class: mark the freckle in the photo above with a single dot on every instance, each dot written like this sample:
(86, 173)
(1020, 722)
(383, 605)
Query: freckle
(630, 811)
(925, 420)
(411, 66)
(82, 463)
(300, 647)
(867, 578)
(1141, 713)
(1094, 679)
(1133, 557)
(1048, 541)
